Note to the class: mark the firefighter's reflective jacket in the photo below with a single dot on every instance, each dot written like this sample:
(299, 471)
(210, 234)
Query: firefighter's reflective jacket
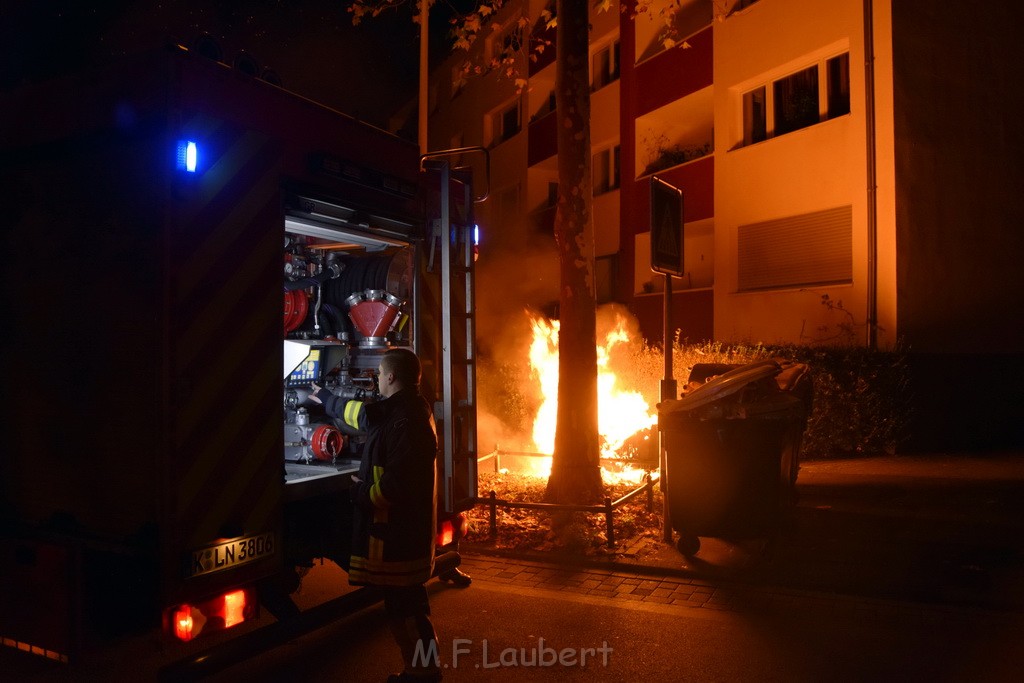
(351, 412)
(395, 501)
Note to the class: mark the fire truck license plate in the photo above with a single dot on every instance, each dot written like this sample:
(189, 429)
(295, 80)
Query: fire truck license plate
(231, 553)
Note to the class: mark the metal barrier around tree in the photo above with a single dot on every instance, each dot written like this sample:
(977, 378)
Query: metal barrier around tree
(607, 508)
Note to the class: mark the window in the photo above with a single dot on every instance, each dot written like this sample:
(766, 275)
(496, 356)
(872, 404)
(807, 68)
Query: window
(605, 170)
(605, 68)
(547, 106)
(605, 274)
(512, 40)
(796, 101)
(796, 251)
(505, 122)
(509, 123)
(838, 69)
(508, 42)
(552, 194)
(755, 116)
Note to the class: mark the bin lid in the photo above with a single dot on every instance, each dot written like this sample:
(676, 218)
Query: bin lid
(721, 386)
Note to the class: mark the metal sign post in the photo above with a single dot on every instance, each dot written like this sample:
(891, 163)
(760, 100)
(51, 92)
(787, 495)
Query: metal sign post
(667, 259)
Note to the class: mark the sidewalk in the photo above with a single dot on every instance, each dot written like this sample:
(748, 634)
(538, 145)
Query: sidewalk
(938, 529)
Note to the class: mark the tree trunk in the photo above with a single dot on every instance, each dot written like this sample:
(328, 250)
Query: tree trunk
(575, 471)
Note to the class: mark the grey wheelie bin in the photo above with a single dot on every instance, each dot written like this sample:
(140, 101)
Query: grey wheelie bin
(732, 445)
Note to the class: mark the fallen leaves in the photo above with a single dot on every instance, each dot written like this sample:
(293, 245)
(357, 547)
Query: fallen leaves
(528, 530)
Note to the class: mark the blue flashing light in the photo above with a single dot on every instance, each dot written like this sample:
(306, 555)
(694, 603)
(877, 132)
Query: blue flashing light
(476, 235)
(188, 156)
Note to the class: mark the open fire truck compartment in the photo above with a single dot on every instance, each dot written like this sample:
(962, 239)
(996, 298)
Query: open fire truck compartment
(152, 212)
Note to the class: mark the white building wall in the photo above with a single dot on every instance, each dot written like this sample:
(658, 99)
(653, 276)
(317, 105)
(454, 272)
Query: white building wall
(812, 169)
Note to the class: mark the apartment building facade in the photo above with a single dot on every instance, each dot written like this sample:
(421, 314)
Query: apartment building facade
(849, 171)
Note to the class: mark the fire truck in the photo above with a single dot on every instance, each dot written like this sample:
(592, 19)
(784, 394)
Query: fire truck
(188, 250)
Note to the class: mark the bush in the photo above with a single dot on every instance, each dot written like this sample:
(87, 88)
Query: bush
(861, 400)
(861, 397)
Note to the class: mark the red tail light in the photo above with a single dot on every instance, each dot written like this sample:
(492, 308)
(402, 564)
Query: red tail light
(452, 529)
(234, 608)
(187, 621)
(446, 534)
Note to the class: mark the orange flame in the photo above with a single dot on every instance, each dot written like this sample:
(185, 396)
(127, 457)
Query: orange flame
(621, 412)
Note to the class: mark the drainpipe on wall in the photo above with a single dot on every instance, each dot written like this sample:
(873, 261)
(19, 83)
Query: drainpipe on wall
(423, 100)
(869, 110)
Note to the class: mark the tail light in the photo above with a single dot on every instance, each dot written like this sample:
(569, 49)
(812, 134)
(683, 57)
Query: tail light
(452, 529)
(446, 534)
(187, 621)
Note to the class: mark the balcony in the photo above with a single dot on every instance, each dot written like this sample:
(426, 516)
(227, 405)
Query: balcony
(675, 73)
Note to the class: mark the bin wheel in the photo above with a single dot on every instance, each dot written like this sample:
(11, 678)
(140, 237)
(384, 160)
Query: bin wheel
(688, 545)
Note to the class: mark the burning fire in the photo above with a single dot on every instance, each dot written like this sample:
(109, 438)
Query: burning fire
(621, 413)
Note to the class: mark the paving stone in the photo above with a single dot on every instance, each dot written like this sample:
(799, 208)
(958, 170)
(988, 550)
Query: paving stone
(659, 599)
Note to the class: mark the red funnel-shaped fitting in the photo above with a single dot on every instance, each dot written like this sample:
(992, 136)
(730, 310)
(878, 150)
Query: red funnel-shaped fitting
(374, 315)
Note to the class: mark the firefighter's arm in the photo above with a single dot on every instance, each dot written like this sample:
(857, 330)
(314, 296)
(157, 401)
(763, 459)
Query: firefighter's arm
(351, 411)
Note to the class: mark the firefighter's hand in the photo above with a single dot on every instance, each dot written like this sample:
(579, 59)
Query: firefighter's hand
(312, 393)
(356, 479)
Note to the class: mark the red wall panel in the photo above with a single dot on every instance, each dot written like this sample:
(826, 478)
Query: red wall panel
(674, 73)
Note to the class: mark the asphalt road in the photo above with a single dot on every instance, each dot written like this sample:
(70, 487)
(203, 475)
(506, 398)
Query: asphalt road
(526, 621)
(892, 569)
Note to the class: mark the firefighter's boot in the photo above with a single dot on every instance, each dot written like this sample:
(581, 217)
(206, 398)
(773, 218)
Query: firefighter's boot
(456, 577)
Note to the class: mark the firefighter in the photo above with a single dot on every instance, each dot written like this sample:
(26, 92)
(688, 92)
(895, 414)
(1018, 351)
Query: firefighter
(395, 506)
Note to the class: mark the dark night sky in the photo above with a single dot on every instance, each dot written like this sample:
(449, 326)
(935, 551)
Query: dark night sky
(369, 70)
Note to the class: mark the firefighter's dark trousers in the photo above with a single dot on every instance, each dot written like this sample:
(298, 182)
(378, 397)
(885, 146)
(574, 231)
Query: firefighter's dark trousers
(408, 612)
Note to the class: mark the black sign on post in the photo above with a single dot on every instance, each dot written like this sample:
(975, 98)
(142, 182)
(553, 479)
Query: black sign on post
(666, 228)
(667, 259)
